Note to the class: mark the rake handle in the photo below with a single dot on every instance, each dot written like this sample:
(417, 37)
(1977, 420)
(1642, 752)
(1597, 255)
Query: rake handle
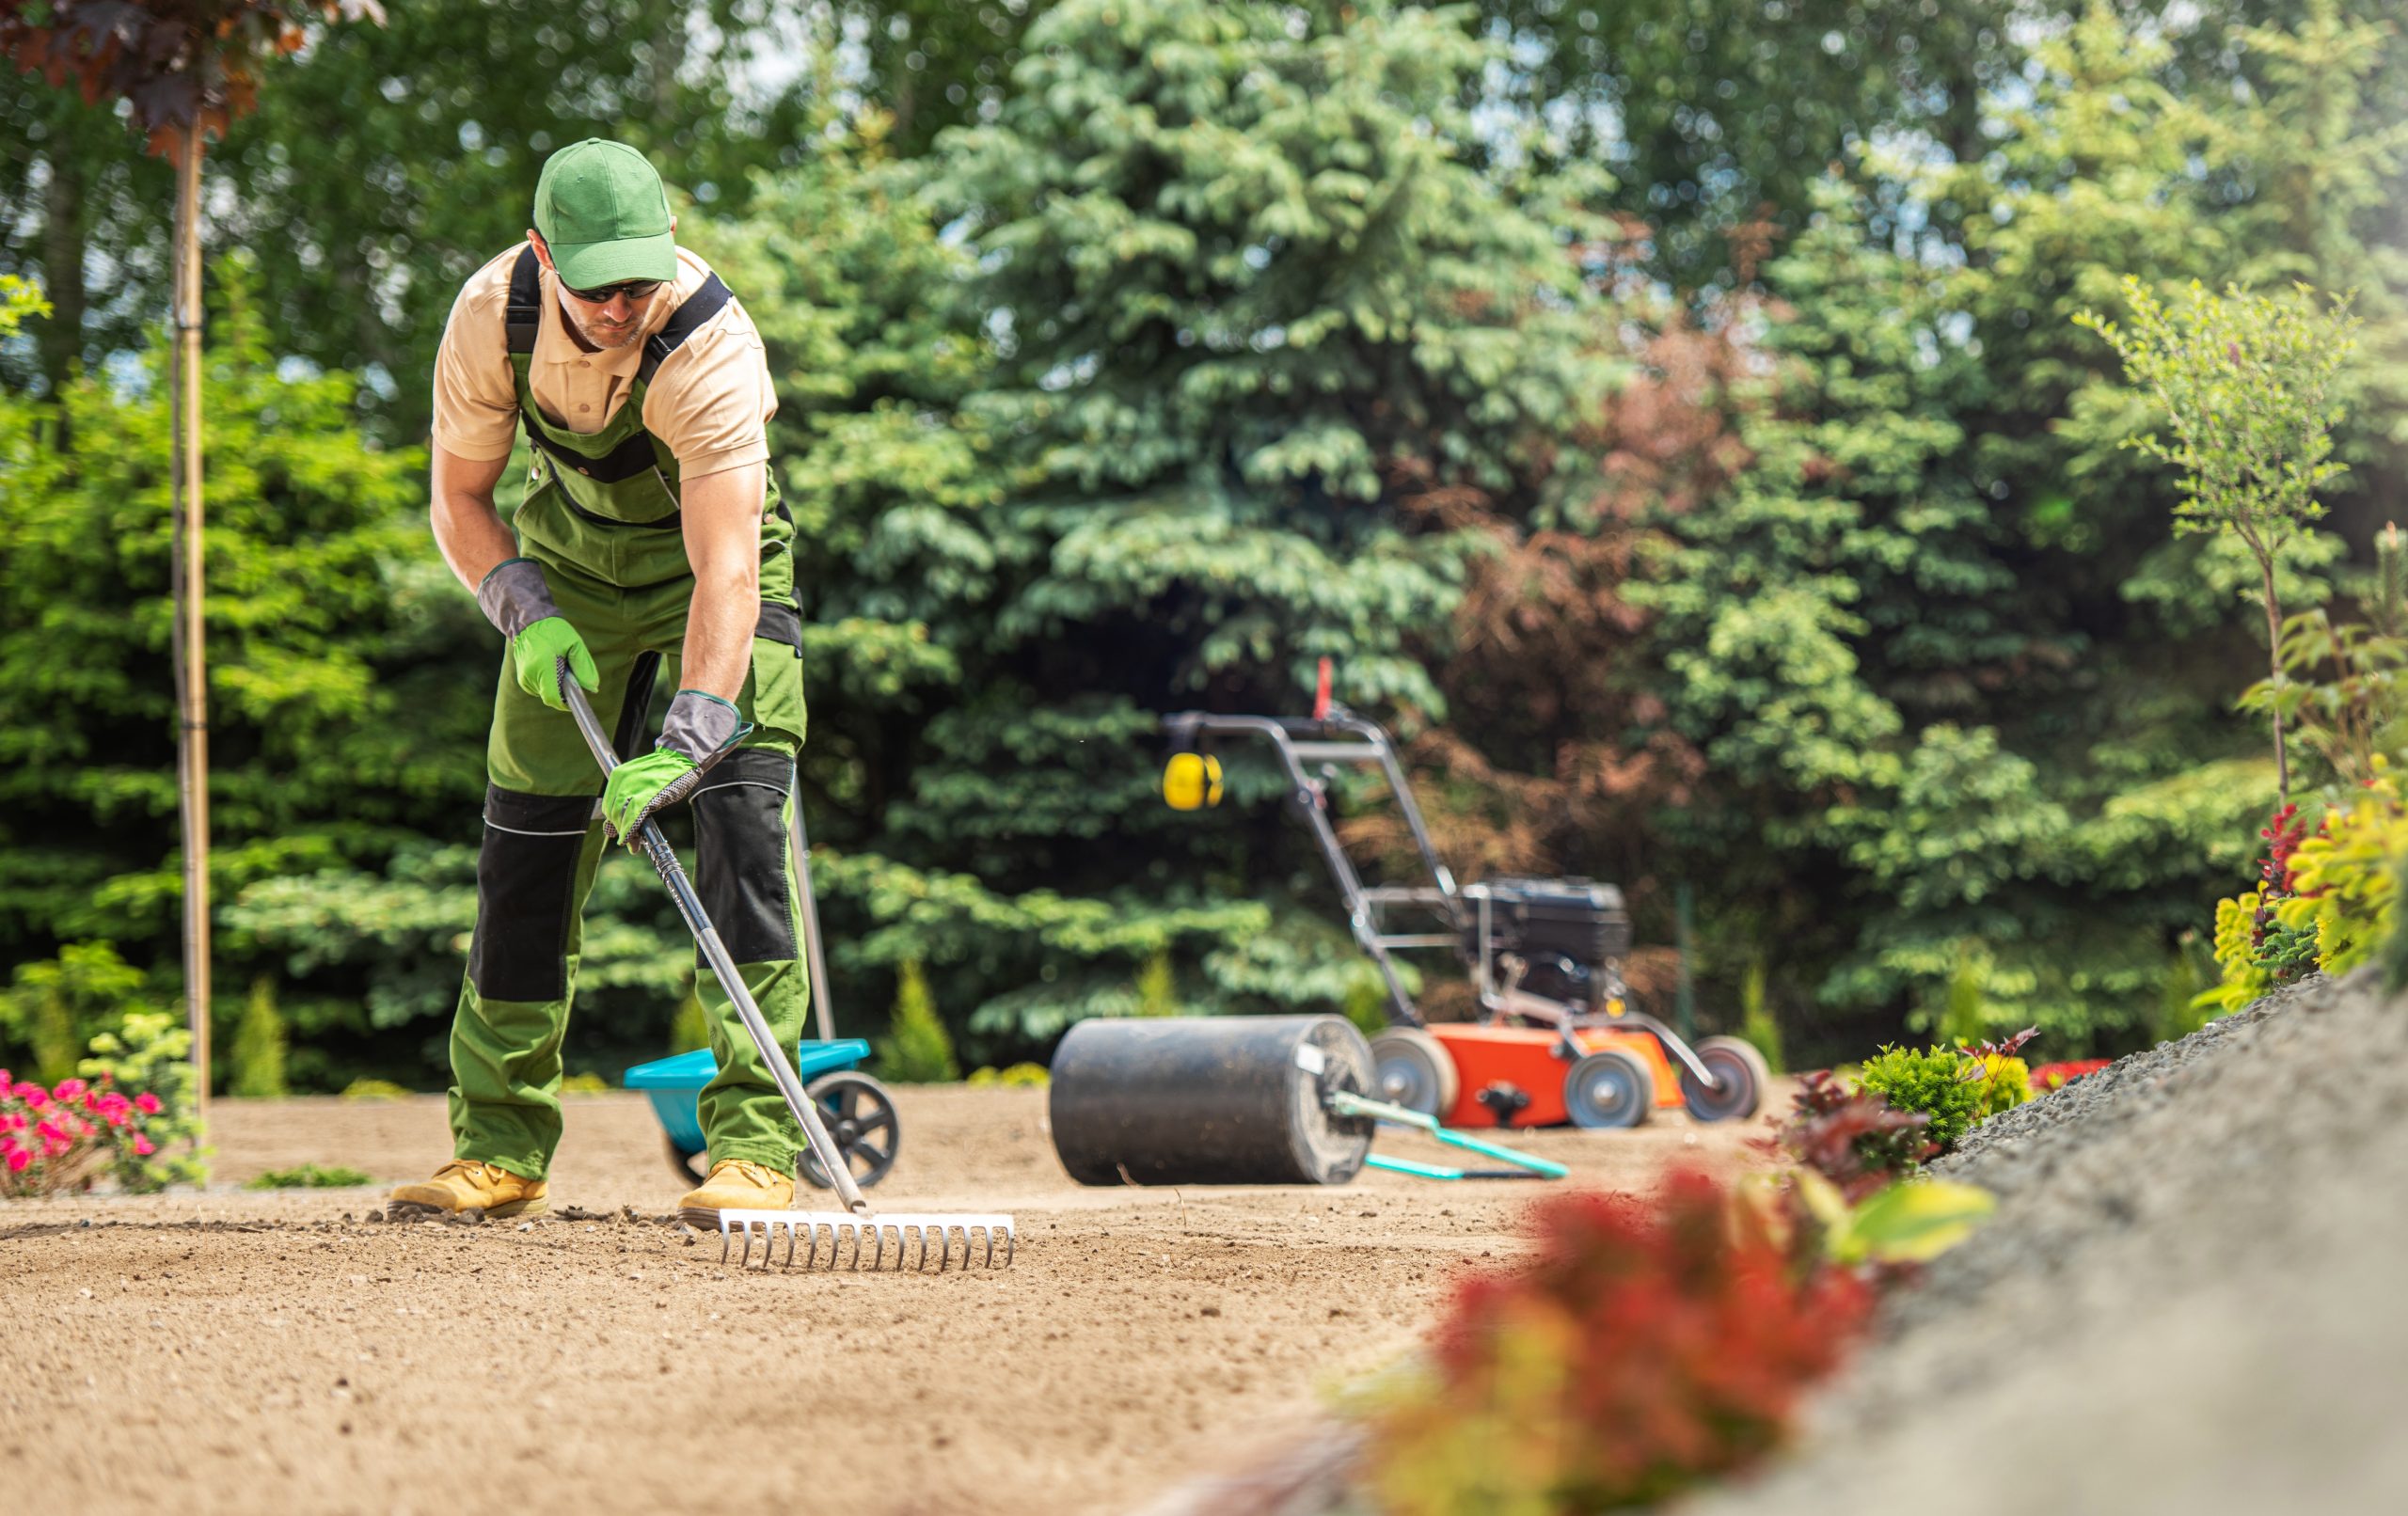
(672, 873)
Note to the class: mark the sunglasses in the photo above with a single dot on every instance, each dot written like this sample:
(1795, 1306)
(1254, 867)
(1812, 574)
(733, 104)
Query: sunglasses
(632, 288)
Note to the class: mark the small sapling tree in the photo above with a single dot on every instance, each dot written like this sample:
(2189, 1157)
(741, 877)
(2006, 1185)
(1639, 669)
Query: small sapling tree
(2243, 381)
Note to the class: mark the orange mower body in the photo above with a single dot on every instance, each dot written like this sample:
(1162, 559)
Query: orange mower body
(1495, 1062)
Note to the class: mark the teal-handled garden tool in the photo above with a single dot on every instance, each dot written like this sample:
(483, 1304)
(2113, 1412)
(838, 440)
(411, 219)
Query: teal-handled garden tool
(857, 1223)
(1524, 1166)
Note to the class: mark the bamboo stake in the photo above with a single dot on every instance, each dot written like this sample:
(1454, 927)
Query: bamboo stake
(192, 690)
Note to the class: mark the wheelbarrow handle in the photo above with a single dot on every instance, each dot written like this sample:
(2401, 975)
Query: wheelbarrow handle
(664, 862)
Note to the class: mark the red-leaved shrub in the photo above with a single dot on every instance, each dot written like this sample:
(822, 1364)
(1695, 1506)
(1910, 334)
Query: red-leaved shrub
(1645, 1348)
(1850, 1136)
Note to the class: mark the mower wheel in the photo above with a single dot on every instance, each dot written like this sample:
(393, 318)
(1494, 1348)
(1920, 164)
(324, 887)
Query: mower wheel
(693, 1167)
(1740, 1081)
(1610, 1088)
(1412, 1068)
(860, 1115)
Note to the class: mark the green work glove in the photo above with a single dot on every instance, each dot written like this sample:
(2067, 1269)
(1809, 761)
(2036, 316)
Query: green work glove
(535, 654)
(519, 603)
(700, 731)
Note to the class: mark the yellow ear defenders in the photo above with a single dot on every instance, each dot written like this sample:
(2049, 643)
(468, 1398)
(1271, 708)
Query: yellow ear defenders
(1192, 781)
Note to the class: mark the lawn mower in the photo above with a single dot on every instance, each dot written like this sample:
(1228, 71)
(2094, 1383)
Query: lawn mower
(1557, 1039)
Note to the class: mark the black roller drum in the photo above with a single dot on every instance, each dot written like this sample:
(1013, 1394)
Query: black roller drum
(1222, 1100)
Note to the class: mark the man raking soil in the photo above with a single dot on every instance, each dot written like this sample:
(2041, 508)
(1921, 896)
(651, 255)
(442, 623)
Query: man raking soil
(651, 532)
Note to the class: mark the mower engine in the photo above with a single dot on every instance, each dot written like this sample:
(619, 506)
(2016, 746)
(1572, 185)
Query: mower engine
(1569, 935)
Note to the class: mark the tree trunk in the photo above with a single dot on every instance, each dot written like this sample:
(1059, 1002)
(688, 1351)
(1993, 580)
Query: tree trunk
(2275, 664)
(61, 336)
(192, 690)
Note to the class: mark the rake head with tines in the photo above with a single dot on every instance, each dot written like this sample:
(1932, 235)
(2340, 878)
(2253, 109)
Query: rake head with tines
(843, 1229)
(836, 1239)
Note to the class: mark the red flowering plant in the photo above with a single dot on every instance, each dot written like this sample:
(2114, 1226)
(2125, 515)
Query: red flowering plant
(65, 1136)
(1646, 1347)
(2049, 1078)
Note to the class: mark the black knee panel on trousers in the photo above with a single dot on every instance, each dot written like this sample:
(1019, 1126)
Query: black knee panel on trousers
(525, 889)
(740, 854)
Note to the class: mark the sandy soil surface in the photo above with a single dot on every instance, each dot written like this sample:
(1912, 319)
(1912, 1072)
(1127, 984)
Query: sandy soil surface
(276, 1352)
(2191, 1299)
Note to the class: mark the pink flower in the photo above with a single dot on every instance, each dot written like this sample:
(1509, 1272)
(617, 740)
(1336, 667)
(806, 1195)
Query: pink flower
(143, 1146)
(68, 1089)
(51, 1132)
(32, 1095)
(19, 1160)
(147, 1103)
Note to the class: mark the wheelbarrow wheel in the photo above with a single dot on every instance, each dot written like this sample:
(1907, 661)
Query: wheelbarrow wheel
(1412, 1069)
(1608, 1089)
(860, 1115)
(1740, 1080)
(692, 1166)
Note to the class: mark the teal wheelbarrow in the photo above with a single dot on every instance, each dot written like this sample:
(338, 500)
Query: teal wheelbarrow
(858, 1110)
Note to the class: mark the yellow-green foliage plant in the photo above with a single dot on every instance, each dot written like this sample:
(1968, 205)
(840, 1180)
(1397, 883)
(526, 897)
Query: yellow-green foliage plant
(2347, 878)
(2244, 977)
(2006, 1081)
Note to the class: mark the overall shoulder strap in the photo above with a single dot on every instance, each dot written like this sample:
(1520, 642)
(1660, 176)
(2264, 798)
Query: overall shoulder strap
(524, 315)
(683, 322)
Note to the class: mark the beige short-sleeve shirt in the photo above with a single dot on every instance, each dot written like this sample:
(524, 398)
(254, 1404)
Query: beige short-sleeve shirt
(709, 403)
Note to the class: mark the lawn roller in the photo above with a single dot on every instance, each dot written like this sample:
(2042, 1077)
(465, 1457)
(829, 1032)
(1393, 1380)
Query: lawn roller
(857, 1225)
(1557, 1039)
(1236, 1100)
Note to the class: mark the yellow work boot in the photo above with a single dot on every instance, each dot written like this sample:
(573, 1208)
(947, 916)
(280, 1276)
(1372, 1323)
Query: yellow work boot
(465, 1184)
(735, 1185)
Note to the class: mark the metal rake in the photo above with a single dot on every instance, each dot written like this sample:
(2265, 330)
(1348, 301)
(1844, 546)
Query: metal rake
(840, 1226)
(807, 1230)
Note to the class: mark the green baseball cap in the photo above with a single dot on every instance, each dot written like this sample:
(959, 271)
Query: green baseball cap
(602, 212)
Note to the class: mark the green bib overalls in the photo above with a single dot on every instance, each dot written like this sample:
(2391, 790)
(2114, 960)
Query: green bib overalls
(601, 517)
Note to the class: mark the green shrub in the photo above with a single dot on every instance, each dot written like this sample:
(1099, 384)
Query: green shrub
(1033, 1075)
(53, 1008)
(256, 1061)
(311, 1176)
(920, 1051)
(1157, 988)
(690, 1028)
(364, 1088)
(1941, 1082)
(588, 1083)
(1758, 1027)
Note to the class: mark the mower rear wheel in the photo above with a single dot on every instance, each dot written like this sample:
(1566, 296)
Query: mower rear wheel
(860, 1115)
(1412, 1068)
(1740, 1076)
(1610, 1088)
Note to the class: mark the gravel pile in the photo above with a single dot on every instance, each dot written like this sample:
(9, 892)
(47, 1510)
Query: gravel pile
(2194, 1297)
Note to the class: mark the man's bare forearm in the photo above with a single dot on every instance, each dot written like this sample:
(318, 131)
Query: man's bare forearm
(722, 524)
(469, 531)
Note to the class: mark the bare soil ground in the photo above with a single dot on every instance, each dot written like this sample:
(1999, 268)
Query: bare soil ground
(233, 1351)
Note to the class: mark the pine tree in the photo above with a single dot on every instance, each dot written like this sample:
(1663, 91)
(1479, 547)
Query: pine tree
(919, 1051)
(255, 1068)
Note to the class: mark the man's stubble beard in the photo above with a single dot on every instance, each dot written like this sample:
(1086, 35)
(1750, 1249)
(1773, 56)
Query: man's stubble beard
(602, 341)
